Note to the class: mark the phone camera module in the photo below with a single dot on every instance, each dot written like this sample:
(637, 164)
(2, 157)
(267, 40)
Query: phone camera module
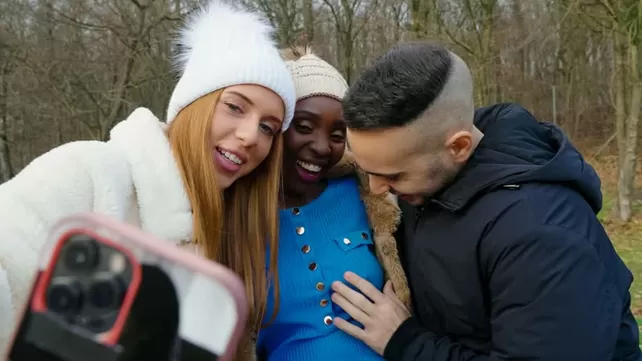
(81, 254)
(64, 297)
(106, 292)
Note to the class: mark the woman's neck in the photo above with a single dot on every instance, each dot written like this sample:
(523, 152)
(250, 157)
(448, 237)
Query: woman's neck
(301, 197)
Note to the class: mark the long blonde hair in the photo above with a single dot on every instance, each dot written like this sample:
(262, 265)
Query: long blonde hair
(231, 227)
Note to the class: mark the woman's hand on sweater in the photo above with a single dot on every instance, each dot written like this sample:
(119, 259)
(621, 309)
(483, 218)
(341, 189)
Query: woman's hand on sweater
(380, 313)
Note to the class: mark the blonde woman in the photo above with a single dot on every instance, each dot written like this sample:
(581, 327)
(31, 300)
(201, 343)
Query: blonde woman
(208, 177)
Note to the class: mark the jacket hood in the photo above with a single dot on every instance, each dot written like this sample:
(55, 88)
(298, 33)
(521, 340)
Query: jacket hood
(517, 149)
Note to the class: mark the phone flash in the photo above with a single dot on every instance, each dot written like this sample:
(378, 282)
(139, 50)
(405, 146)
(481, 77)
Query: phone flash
(117, 263)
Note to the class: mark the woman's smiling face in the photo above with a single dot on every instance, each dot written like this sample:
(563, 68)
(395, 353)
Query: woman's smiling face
(314, 143)
(245, 121)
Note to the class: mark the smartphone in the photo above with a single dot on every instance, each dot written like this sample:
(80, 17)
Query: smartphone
(107, 291)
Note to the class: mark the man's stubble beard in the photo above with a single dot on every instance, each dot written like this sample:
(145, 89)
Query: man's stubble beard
(446, 175)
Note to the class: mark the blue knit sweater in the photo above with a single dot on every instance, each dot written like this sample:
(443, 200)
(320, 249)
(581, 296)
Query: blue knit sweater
(319, 242)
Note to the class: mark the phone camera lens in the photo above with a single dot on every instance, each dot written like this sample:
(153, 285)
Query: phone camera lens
(81, 253)
(107, 292)
(64, 297)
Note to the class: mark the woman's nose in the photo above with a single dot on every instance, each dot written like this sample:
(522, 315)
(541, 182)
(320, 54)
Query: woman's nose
(321, 147)
(248, 132)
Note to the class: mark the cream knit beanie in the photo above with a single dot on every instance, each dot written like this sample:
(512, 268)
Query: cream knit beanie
(312, 75)
(222, 45)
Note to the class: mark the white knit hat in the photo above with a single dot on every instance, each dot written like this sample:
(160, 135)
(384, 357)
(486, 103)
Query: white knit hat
(313, 75)
(223, 45)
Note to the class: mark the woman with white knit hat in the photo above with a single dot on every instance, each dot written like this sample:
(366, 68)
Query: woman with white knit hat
(208, 177)
(329, 224)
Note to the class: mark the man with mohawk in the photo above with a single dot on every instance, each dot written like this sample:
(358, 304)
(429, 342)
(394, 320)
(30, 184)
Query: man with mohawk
(504, 254)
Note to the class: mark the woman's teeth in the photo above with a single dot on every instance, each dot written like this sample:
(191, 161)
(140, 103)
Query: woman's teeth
(309, 167)
(230, 156)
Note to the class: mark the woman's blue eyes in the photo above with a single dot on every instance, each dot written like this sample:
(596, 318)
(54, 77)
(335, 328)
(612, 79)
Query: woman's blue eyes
(265, 128)
(234, 108)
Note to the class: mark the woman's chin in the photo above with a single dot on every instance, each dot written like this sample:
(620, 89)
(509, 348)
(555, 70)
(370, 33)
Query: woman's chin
(224, 181)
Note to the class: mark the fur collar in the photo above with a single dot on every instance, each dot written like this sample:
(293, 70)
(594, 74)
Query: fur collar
(164, 208)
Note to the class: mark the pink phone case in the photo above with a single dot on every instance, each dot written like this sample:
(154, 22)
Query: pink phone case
(211, 301)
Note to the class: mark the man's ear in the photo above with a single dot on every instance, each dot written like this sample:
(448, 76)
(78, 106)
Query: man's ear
(460, 146)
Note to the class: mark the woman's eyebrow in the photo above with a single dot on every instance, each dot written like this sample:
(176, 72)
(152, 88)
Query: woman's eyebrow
(242, 96)
(306, 113)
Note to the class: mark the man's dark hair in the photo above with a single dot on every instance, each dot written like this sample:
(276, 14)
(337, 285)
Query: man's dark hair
(398, 86)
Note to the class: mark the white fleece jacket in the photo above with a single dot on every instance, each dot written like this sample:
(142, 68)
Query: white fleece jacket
(133, 178)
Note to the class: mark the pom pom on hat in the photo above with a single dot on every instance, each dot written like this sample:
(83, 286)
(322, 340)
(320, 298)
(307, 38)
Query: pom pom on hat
(222, 45)
(312, 75)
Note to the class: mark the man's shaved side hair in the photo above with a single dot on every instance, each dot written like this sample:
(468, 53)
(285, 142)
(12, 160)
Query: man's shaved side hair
(420, 83)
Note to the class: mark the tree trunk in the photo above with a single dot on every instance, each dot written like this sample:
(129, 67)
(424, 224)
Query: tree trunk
(626, 174)
(419, 15)
(6, 169)
(308, 21)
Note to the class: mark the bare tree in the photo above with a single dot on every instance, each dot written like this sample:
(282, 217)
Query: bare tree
(622, 21)
(72, 69)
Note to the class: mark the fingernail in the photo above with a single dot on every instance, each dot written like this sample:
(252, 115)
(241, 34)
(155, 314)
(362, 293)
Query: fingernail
(348, 275)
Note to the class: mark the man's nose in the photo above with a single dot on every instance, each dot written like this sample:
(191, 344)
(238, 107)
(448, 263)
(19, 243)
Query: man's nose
(378, 185)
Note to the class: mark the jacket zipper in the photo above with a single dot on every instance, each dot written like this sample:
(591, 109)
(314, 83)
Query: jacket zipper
(418, 213)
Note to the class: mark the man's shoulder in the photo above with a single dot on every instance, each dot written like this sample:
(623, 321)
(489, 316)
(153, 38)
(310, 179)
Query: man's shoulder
(514, 211)
(539, 209)
(553, 203)
(501, 109)
(491, 113)
(543, 203)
